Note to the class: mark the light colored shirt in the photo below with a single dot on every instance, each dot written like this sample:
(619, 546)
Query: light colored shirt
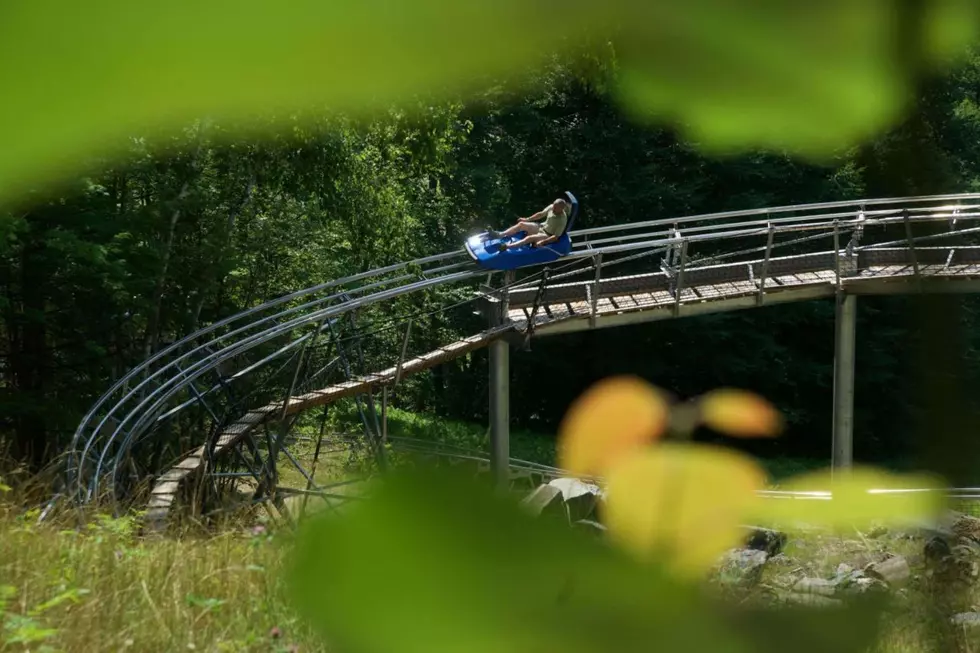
(555, 221)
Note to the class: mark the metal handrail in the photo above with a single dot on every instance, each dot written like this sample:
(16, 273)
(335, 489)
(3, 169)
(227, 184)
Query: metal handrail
(135, 409)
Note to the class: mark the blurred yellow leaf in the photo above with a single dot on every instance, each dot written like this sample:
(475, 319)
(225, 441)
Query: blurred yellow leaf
(857, 497)
(682, 501)
(739, 413)
(611, 419)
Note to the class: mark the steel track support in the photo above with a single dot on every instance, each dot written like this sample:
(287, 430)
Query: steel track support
(844, 354)
(500, 395)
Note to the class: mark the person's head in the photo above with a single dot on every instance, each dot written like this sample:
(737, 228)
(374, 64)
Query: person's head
(560, 205)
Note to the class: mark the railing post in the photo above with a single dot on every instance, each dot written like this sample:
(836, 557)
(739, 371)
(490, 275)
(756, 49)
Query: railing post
(500, 395)
(765, 268)
(844, 353)
(594, 299)
(837, 254)
(680, 279)
(908, 238)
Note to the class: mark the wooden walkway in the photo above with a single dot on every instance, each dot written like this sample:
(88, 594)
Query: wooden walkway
(166, 487)
(630, 299)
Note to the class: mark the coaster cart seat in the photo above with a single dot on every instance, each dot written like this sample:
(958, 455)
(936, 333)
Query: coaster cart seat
(486, 251)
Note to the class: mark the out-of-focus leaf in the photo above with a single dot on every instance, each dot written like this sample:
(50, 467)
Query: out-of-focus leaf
(449, 566)
(682, 501)
(859, 497)
(739, 413)
(851, 628)
(809, 77)
(611, 419)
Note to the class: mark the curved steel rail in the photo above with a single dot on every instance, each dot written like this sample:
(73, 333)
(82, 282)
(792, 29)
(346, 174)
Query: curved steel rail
(249, 356)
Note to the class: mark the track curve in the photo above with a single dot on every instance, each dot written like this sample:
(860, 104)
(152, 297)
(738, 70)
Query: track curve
(198, 403)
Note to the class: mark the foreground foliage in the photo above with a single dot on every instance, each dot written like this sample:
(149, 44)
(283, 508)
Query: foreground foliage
(105, 589)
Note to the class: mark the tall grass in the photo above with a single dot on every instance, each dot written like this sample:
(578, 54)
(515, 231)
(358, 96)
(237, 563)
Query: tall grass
(103, 588)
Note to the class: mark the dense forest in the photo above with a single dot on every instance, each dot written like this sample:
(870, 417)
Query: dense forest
(113, 266)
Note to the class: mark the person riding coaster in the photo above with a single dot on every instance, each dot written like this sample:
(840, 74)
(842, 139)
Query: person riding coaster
(555, 217)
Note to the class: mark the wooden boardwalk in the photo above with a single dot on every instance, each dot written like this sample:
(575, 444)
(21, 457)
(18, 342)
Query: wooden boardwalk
(630, 299)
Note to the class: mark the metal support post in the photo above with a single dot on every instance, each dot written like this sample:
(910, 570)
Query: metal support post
(844, 350)
(500, 398)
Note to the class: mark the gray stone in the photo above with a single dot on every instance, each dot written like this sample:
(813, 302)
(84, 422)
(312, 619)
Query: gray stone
(545, 499)
(866, 584)
(815, 586)
(580, 498)
(893, 570)
(966, 619)
(743, 566)
(966, 526)
(765, 539)
(810, 599)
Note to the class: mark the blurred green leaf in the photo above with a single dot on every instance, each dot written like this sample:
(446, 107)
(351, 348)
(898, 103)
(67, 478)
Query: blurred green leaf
(447, 565)
(810, 78)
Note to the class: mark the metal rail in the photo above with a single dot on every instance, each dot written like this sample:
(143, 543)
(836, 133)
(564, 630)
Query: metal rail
(156, 412)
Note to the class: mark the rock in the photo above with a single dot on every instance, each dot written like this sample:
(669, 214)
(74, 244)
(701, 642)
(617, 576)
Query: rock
(936, 549)
(764, 539)
(815, 586)
(590, 525)
(966, 526)
(810, 599)
(966, 619)
(580, 498)
(892, 570)
(843, 570)
(545, 499)
(743, 566)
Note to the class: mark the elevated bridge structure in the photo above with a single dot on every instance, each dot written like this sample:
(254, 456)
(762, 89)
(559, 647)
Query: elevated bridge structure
(234, 401)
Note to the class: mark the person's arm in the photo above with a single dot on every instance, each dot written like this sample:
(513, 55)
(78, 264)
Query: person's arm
(540, 214)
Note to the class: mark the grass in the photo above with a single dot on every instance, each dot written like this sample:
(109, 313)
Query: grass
(105, 588)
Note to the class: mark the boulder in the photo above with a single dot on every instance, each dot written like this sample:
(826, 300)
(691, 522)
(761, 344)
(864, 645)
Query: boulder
(966, 619)
(764, 539)
(810, 599)
(580, 498)
(545, 499)
(591, 526)
(966, 527)
(893, 570)
(815, 586)
(743, 566)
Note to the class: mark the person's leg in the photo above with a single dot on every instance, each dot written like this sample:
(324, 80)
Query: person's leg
(522, 225)
(529, 239)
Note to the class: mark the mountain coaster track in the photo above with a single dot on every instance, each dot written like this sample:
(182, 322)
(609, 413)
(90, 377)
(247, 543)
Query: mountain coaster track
(219, 405)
